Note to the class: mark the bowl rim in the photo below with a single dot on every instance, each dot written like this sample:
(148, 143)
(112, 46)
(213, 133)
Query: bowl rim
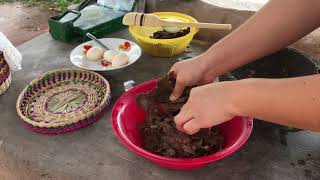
(193, 31)
(175, 161)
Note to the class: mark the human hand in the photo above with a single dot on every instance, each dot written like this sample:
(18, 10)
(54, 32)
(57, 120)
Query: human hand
(190, 73)
(207, 106)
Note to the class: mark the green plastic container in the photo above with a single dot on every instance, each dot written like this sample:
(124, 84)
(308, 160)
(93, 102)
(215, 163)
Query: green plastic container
(67, 32)
(62, 31)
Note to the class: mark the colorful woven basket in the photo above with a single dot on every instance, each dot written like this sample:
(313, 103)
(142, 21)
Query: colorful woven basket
(63, 100)
(5, 75)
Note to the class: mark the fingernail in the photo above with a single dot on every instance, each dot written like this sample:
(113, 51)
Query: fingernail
(172, 97)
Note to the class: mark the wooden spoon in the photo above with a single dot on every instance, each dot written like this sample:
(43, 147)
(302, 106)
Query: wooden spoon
(151, 20)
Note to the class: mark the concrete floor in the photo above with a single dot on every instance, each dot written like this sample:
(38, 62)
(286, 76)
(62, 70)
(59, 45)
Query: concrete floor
(21, 23)
(310, 44)
(95, 153)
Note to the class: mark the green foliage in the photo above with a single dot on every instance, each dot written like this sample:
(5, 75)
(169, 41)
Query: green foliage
(63, 4)
(58, 5)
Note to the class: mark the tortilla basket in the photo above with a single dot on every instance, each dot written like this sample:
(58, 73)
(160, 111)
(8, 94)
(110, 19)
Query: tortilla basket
(63, 100)
(5, 75)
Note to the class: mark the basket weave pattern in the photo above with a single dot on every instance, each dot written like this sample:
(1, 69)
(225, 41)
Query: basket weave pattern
(63, 100)
(5, 75)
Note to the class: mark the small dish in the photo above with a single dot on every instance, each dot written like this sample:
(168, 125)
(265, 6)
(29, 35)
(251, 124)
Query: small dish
(79, 59)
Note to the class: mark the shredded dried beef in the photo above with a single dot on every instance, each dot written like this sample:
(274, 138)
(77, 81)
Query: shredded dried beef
(159, 132)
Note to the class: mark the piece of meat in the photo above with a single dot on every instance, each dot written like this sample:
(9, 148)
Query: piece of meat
(159, 132)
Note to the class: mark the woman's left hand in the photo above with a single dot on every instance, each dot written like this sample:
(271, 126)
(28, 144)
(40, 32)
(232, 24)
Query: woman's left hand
(207, 106)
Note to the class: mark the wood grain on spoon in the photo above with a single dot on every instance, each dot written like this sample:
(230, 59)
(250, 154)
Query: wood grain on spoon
(151, 20)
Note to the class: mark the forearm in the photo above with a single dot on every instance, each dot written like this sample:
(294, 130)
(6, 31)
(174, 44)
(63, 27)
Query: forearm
(294, 102)
(278, 24)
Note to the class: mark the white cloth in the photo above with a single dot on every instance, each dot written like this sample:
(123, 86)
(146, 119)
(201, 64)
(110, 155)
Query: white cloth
(12, 56)
(121, 5)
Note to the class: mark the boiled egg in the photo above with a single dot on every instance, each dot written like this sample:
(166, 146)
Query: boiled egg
(95, 54)
(120, 60)
(109, 55)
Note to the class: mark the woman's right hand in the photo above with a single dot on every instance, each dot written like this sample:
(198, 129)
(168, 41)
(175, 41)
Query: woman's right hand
(190, 73)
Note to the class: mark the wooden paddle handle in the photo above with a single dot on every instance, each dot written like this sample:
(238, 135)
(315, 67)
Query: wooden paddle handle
(198, 25)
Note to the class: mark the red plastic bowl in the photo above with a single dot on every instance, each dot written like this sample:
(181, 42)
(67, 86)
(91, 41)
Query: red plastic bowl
(127, 116)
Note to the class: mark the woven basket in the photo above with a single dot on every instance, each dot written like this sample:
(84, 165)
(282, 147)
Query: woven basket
(63, 100)
(5, 75)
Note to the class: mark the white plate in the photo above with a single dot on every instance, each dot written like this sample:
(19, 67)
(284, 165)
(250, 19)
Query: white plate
(78, 58)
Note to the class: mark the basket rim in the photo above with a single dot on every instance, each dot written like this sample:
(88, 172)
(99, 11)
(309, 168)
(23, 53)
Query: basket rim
(71, 121)
(193, 31)
(5, 69)
(4, 66)
(4, 86)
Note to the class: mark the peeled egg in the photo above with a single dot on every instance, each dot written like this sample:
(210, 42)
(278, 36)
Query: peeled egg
(95, 54)
(172, 29)
(120, 60)
(109, 55)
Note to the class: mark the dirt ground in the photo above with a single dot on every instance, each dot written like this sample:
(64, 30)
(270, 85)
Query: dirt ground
(21, 23)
